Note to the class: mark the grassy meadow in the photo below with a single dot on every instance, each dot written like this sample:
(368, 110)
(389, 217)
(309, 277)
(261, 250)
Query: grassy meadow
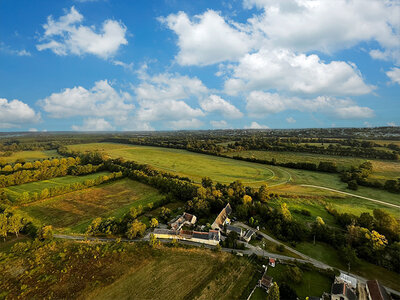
(31, 187)
(68, 270)
(74, 211)
(313, 283)
(226, 170)
(29, 156)
(383, 169)
(190, 164)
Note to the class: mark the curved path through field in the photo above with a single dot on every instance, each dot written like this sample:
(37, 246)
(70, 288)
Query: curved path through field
(349, 194)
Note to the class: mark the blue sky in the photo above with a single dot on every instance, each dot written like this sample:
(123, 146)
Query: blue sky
(170, 64)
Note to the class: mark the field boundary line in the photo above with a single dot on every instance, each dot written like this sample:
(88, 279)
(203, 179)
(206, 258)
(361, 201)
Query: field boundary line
(353, 195)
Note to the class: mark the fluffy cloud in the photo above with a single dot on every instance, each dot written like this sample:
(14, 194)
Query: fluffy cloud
(93, 124)
(260, 103)
(207, 39)
(255, 125)
(292, 23)
(165, 110)
(100, 101)
(284, 70)
(168, 86)
(185, 124)
(163, 98)
(394, 75)
(16, 113)
(67, 36)
(219, 124)
(392, 124)
(290, 120)
(215, 103)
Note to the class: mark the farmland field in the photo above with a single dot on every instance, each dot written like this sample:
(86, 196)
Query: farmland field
(67, 270)
(193, 165)
(226, 170)
(383, 169)
(29, 156)
(74, 211)
(16, 190)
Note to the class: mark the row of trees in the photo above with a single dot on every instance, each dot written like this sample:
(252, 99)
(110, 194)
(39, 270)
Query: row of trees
(27, 197)
(68, 162)
(360, 176)
(47, 172)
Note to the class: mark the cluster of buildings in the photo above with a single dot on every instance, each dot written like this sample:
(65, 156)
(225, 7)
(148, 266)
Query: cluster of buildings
(346, 287)
(212, 237)
(223, 222)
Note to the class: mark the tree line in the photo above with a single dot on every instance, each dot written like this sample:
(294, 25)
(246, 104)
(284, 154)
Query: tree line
(27, 197)
(45, 170)
(360, 176)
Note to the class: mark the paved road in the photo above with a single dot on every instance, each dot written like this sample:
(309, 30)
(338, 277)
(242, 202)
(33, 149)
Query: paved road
(349, 194)
(251, 250)
(306, 258)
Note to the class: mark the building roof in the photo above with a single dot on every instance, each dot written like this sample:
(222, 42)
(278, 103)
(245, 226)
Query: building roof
(349, 279)
(342, 289)
(377, 291)
(188, 217)
(220, 219)
(249, 234)
(236, 229)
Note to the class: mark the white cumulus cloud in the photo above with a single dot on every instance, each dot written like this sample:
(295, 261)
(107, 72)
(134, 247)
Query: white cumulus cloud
(67, 35)
(290, 120)
(394, 75)
(207, 38)
(101, 100)
(93, 124)
(219, 124)
(261, 103)
(305, 25)
(284, 70)
(215, 103)
(15, 113)
(255, 125)
(185, 124)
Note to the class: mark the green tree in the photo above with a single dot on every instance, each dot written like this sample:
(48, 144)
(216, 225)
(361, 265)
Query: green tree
(45, 233)
(153, 223)
(153, 241)
(263, 194)
(135, 229)
(287, 216)
(247, 199)
(273, 292)
(206, 182)
(44, 193)
(15, 224)
(3, 226)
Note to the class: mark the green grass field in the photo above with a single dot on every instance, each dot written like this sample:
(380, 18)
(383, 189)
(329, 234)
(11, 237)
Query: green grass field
(193, 165)
(29, 156)
(313, 283)
(383, 169)
(68, 270)
(226, 170)
(74, 211)
(31, 187)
